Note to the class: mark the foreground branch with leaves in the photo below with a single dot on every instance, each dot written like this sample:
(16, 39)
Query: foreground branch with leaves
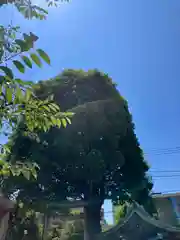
(20, 107)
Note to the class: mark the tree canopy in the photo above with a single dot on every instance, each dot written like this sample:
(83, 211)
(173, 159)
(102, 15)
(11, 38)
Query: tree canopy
(97, 157)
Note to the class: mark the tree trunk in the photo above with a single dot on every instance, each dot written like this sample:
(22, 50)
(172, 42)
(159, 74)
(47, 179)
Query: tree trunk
(92, 218)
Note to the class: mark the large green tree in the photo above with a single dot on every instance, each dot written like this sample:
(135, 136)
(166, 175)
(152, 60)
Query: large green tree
(97, 157)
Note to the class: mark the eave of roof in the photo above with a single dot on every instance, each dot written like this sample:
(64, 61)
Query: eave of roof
(166, 195)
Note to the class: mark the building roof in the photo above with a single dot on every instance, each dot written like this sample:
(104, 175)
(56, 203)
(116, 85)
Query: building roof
(166, 195)
(138, 224)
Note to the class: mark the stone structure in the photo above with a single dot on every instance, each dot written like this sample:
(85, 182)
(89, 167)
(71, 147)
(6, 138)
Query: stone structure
(138, 224)
(6, 206)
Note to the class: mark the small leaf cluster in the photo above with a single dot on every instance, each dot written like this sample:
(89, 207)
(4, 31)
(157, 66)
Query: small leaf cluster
(30, 10)
(12, 47)
(27, 170)
(56, 2)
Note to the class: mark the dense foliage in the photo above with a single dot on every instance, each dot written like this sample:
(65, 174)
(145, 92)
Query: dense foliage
(120, 212)
(30, 225)
(97, 157)
(69, 230)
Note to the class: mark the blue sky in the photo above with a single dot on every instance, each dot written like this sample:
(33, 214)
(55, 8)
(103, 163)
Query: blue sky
(138, 44)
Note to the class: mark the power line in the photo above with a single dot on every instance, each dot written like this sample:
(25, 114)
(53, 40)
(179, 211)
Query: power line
(166, 176)
(163, 151)
(164, 171)
(170, 152)
(168, 191)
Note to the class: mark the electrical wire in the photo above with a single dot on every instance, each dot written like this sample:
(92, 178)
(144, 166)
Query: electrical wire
(169, 152)
(163, 151)
(166, 176)
(164, 171)
(160, 173)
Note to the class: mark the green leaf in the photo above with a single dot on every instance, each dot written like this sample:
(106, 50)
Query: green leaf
(33, 37)
(1, 162)
(36, 59)
(27, 61)
(44, 56)
(53, 120)
(54, 107)
(29, 83)
(19, 66)
(23, 83)
(45, 128)
(15, 171)
(34, 173)
(9, 94)
(4, 172)
(26, 36)
(7, 71)
(41, 9)
(35, 165)
(6, 148)
(64, 123)
(26, 173)
(29, 125)
(28, 94)
(8, 79)
(50, 4)
(23, 45)
(68, 120)
(30, 38)
(18, 95)
(59, 123)
(69, 114)
(46, 108)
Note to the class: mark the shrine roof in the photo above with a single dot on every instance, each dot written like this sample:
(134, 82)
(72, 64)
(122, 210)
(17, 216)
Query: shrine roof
(138, 224)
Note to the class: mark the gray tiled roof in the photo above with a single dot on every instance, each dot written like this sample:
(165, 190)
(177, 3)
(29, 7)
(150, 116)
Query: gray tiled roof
(138, 224)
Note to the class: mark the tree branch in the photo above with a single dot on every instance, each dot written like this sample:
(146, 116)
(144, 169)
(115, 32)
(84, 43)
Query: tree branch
(2, 2)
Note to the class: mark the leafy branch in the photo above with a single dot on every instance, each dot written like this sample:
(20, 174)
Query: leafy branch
(29, 10)
(17, 99)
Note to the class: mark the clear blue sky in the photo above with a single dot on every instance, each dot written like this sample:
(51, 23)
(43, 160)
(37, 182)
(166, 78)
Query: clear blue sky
(138, 44)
